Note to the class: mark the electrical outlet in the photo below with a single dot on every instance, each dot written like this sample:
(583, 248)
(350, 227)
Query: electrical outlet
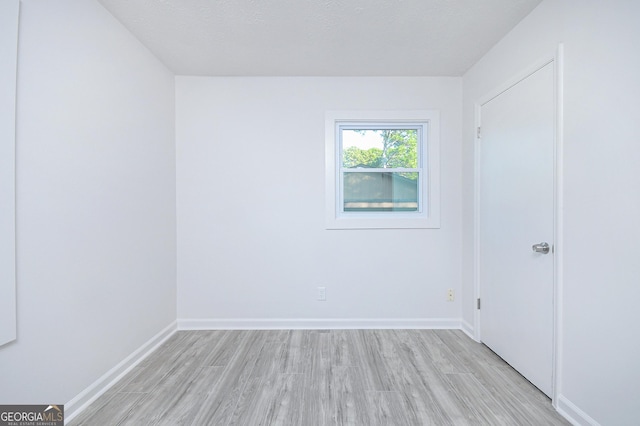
(322, 294)
(450, 296)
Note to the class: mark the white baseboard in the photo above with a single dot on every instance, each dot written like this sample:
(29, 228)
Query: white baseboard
(573, 414)
(100, 386)
(467, 328)
(316, 324)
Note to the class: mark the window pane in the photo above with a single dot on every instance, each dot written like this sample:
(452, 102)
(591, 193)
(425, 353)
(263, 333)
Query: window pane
(380, 192)
(380, 148)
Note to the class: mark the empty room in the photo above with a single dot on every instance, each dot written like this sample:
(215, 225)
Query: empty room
(319, 212)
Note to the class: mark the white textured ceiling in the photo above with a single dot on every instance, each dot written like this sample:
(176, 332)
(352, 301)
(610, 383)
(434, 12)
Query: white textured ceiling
(319, 37)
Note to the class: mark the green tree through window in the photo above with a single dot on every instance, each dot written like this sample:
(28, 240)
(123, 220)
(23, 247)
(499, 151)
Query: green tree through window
(398, 148)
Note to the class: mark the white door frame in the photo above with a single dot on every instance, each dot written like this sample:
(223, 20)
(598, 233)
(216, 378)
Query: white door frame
(557, 60)
(9, 38)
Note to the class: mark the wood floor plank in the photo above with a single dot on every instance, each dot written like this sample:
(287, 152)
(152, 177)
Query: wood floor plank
(295, 346)
(429, 384)
(342, 348)
(421, 408)
(333, 393)
(318, 380)
(480, 406)
(441, 356)
(466, 350)
(370, 357)
(219, 405)
(348, 403)
(223, 350)
(185, 402)
(258, 393)
(285, 406)
(387, 409)
(521, 399)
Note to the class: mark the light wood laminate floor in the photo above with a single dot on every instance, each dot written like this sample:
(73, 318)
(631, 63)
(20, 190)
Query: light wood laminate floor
(321, 377)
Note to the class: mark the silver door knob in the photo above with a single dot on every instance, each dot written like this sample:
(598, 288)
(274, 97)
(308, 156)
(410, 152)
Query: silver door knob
(541, 248)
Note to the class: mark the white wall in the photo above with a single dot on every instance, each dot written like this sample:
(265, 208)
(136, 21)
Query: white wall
(251, 237)
(600, 347)
(95, 201)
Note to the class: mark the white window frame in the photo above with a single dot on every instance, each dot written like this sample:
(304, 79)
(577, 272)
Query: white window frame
(428, 214)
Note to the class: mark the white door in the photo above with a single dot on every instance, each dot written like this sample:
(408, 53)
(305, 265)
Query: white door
(517, 212)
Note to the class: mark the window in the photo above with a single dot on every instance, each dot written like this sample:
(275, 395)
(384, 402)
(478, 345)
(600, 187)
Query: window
(382, 169)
